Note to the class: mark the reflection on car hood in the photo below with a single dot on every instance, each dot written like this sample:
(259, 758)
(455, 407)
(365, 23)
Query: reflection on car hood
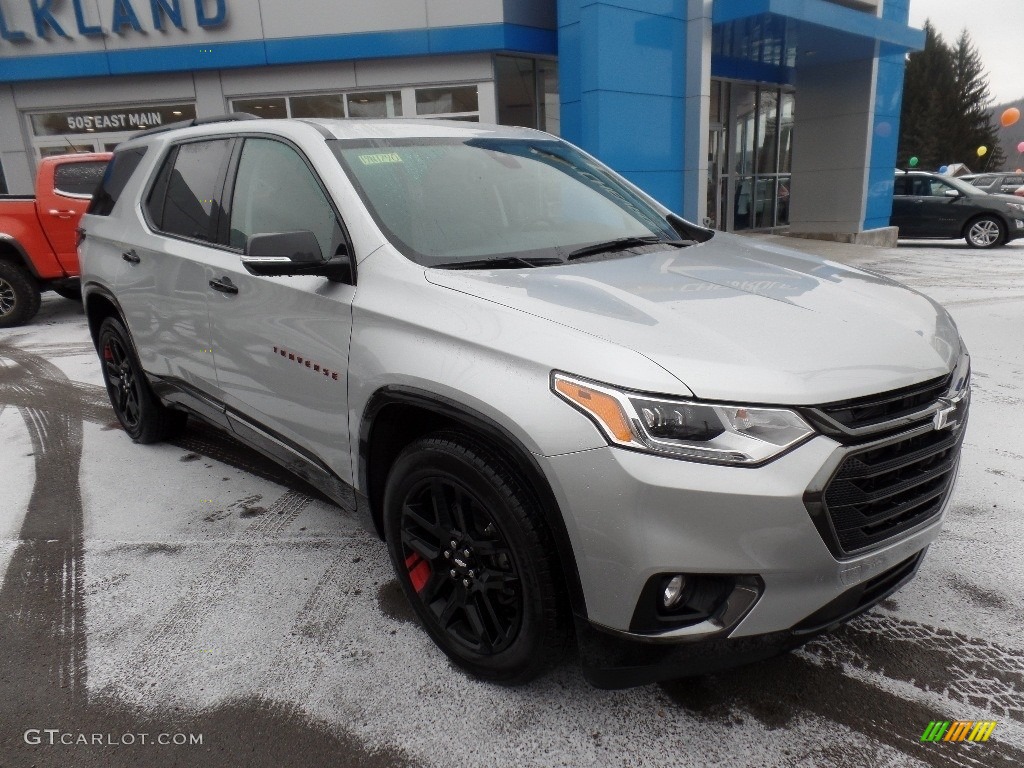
(735, 319)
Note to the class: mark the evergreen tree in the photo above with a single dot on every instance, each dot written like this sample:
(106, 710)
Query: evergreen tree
(945, 116)
(929, 75)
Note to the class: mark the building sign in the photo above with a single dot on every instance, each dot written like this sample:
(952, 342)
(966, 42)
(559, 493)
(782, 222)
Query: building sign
(52, 18)
(109, 120)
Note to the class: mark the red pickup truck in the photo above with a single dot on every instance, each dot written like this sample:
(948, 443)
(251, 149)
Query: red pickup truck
(38, 235)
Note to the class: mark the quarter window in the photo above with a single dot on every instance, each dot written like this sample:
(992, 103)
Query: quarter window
(182, 201)
(275, 191)
(120, 169)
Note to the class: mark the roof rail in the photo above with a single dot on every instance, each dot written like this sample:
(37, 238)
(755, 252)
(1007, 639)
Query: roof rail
(234, 116)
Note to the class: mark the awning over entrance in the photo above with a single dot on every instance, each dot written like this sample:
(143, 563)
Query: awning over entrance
(784, 33)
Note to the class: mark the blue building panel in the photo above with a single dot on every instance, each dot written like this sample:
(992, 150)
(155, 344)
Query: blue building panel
(888, 100)
(630, 81)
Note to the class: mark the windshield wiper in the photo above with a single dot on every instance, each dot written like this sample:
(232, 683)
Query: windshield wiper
(501, 262)
(622, 244)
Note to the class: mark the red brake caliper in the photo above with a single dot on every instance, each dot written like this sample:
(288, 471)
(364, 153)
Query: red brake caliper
(419, 571)
(108, 354)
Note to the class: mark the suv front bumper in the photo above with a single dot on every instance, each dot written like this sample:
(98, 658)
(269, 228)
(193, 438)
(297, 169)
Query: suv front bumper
(631, 516)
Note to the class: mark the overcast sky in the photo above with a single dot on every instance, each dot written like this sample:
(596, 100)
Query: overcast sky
(997, 29)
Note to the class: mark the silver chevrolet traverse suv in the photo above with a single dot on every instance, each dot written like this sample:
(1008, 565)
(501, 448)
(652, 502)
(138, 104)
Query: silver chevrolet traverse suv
(573, 416)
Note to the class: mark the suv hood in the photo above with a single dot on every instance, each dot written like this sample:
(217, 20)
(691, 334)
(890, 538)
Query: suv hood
(734, 319)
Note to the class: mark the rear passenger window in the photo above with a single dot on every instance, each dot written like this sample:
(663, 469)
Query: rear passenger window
(275, 191)
(78, 178)
(120, 168)
(182, 201)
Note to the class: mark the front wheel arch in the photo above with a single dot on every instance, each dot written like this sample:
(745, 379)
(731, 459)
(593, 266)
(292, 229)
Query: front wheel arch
(397, 415)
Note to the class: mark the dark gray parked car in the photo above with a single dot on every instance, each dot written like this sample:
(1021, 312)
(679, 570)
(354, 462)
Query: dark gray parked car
(997, 183)
(927, 205)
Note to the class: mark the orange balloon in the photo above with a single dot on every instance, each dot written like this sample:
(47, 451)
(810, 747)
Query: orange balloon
(1009, 117)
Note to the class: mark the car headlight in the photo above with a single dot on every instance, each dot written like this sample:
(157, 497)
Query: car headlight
(1019, 207)
(685, 429)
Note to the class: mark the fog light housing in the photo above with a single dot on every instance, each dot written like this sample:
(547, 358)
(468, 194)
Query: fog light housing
(671, 601)
(673, 591)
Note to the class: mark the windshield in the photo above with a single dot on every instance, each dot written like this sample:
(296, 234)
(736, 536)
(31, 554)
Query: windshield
(446, 201)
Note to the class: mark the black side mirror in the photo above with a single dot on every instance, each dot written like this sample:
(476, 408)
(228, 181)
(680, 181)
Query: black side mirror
(278, 254)
(300, 247)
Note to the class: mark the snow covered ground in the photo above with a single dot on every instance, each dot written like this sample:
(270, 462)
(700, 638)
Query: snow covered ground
(192, 587)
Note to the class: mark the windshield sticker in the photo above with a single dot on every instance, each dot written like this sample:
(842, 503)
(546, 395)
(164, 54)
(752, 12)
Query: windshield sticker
(390, 157)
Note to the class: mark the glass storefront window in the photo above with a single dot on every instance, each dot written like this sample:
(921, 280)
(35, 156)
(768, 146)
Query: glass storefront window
(516, 86)
(448, 100)
(367, 105)
(276, 107)
(550, 106)
(767, 130)
(65, 149)
(323, 105)
(3, 181)
(787, 115)
(744, 127)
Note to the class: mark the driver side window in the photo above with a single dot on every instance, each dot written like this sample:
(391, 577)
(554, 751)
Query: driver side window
(276, 192)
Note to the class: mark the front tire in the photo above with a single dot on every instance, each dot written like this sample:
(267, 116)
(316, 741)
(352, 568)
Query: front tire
(474, 558)
(143, 416)
(985, 232)
(19, 295)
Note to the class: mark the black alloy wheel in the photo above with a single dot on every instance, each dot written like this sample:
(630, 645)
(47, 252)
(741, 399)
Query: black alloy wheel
(19, 295)
(474, 558)
(143, 417)
(460, 565)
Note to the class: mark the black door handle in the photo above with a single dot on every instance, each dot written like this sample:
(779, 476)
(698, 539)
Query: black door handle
(131, 256)
(224, 285)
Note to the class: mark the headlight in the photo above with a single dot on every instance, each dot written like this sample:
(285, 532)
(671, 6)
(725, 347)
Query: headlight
(685, 429)
(1019, 207)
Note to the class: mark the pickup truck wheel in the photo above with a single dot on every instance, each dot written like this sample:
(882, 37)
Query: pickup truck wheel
(143, 416)
(19, 295)
(985, 232)
(474, 558)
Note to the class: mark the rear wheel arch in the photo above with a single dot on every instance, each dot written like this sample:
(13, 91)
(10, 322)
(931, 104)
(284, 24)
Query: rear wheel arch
(11, 250)
(395, 417)
(99, 305)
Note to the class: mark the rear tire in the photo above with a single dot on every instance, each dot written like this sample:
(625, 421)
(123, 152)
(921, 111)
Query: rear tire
(143, 416)
(474, 558)
(19, 295)
(985, 232)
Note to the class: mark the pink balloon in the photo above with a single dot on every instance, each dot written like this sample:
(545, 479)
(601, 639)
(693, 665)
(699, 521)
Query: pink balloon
(1020, 147)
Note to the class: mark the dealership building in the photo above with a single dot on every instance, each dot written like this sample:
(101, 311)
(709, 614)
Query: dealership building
(745, 114)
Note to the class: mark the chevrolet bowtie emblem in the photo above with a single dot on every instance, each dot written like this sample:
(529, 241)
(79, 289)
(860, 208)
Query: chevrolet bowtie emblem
(944, 417)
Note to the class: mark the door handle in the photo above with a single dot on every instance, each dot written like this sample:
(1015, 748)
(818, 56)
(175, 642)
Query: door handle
(131, 256)
(61, 213)
(224, 285)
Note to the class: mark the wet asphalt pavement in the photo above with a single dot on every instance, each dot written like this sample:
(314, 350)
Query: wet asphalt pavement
(194, 591)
